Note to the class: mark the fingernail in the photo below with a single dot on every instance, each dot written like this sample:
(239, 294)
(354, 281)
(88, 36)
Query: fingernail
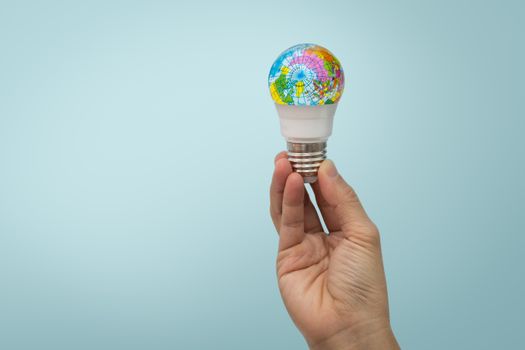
(331, 170)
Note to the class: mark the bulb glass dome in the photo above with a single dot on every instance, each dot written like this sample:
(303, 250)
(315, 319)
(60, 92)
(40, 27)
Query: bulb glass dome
(306, 75)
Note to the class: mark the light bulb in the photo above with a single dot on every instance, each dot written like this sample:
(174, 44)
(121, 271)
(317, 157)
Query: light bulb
(306, 82)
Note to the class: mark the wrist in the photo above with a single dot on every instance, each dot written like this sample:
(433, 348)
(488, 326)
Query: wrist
(369, 336)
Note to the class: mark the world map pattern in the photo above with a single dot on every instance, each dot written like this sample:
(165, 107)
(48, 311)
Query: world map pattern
(306, 75)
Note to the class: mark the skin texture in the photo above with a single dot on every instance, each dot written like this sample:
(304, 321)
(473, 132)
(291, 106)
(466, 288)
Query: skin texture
(333, 285)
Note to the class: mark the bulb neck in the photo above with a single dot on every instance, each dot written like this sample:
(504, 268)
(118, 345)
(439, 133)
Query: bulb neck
(306, 158)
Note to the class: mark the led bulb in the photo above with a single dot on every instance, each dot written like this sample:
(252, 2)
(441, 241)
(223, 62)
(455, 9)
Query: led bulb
(306, 82)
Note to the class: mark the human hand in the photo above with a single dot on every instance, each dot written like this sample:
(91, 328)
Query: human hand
(333, 286)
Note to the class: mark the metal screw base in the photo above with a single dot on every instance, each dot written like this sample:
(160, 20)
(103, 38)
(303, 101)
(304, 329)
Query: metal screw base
(306, 158)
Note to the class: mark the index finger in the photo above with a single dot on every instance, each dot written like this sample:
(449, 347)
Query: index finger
(280, 174)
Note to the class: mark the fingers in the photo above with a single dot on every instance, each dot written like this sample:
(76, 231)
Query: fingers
(341, 206)
(292, 220)
(280, 174)
(282, 170)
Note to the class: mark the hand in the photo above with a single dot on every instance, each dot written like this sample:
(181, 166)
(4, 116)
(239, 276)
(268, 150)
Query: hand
(333, 285)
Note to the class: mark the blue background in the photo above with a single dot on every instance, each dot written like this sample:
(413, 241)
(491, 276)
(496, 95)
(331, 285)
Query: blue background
(136, 148)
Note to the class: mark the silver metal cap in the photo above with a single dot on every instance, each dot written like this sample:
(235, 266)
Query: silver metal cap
(306, 158)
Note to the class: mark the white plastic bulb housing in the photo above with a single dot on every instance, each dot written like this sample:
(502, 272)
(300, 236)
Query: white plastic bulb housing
(306, 82)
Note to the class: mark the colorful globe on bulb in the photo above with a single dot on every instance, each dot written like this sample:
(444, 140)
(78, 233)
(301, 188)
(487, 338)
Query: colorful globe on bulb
(306, 75)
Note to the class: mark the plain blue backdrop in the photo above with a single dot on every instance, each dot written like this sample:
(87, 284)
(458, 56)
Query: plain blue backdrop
(136, 148)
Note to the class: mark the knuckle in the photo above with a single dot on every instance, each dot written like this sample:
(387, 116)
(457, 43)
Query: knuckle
(349, 194)
(371, 232)
(374, 233)
(370, 228)
(275, 211)
(292, 224)
(367, 233)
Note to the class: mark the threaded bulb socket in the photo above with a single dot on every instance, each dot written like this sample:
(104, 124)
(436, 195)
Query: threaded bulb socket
(306, 158)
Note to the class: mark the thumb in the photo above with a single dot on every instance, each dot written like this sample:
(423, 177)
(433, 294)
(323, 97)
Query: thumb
(341, 197)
